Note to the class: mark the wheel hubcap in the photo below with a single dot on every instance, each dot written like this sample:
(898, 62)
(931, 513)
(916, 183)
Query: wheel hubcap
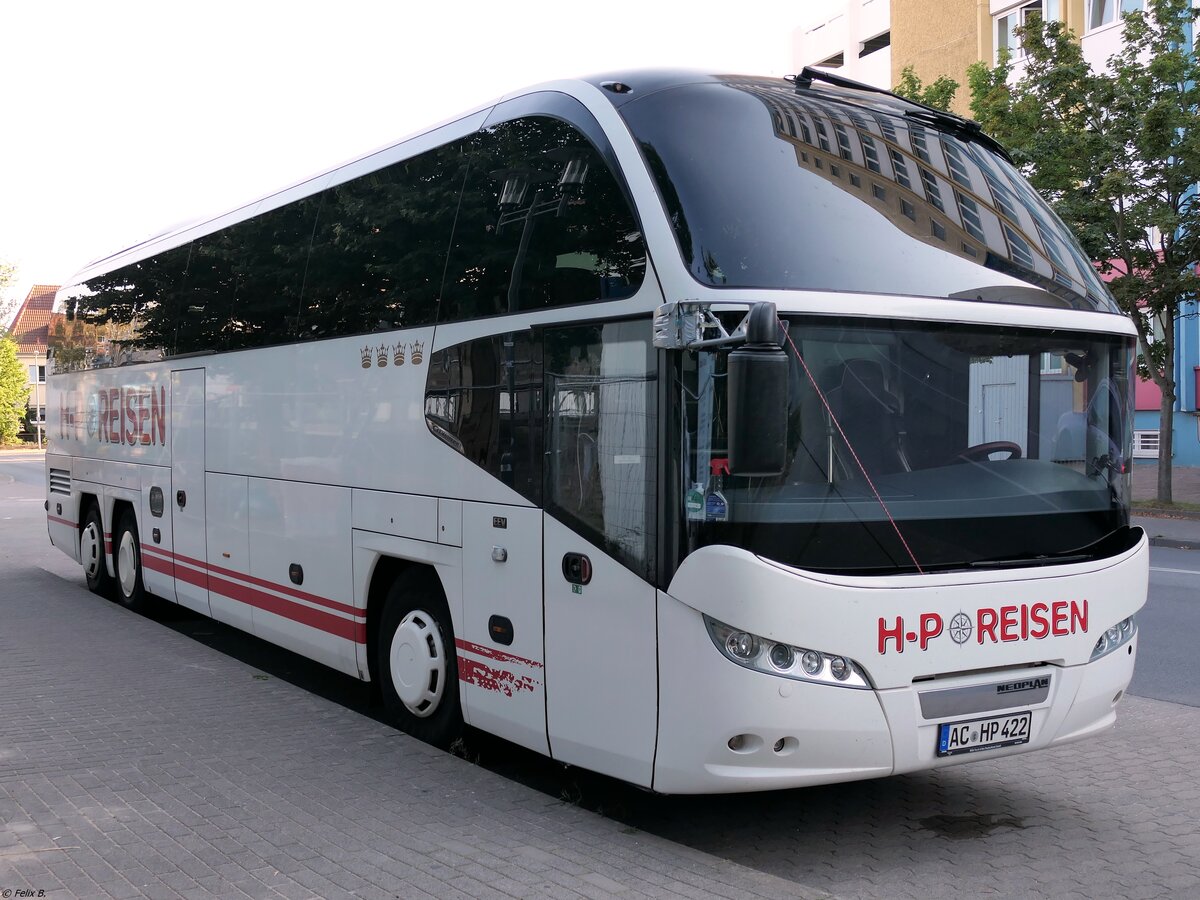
(127, 562)
(89, 550)
(418, 663)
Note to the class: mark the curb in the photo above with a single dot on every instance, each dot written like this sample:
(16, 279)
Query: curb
(1159, 513)
(1174, 543)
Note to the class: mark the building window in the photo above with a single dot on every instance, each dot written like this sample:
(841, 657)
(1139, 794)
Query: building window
(932, 193)
(834, 62)
(1006, 26)
(1145, 445)
(870, 153)
(958, 168)
(1052, 364)
(878, 42)
(901, 169)
(919, 147)
(1022, 254)
(37, 374)
(843, 140)
(1105, 12)
(970, 216)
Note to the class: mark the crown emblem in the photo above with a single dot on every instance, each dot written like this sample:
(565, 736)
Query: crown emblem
(398, 354)
(418, 352)
(381, 355)
(366, 357)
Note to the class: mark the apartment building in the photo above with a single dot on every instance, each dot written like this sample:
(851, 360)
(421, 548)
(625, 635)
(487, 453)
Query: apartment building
(873, 40)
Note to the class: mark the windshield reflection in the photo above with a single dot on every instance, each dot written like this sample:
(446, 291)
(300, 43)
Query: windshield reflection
(918, 447)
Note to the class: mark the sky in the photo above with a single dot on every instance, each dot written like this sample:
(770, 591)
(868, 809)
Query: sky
(120, 120)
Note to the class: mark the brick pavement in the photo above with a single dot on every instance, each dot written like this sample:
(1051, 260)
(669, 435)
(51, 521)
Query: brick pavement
(135, 761)
(1118, 816)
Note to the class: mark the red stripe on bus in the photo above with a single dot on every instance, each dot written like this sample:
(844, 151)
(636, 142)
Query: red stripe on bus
(156, 564)
(281, 606)
(208, 577)
(492, 653)
(270, 585)
(66, 522)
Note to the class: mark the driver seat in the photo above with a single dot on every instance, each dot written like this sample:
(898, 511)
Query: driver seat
(870, 417)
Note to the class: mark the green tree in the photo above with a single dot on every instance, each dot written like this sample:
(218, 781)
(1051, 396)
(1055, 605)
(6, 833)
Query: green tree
(1117, 153)
(938, 94)
(7, 274)
(14, 391)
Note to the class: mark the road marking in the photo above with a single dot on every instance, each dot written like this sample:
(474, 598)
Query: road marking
(1176, 571)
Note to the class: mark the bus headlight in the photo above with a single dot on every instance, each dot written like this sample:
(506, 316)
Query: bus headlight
(1116, 636)
(786, 660)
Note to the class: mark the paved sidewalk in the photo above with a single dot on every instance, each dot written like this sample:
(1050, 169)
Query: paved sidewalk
(1168, 528)
(135, 761)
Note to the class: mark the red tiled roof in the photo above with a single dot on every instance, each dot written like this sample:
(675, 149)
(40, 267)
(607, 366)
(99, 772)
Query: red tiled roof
(31, 326)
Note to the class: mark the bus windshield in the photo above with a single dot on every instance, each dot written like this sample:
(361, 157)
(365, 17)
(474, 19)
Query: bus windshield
(920, 447)
(846, 191)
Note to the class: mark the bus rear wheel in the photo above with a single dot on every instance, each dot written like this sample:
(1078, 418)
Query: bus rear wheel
(127, 560)
(91, 554)
(416, 661)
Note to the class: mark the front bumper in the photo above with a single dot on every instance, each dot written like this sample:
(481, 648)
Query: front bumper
(795, 734)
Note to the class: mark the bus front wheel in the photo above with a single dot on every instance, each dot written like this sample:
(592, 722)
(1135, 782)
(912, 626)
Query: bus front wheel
(416, 660)
(91, 554)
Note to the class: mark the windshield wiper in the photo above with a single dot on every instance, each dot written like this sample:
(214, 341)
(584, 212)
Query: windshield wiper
(1114, 542)
(1006, 562)
(927, 115)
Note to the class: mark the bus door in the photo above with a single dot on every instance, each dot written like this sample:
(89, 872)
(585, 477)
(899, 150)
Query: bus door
(501, 649)
(186, 500)
(600, 494)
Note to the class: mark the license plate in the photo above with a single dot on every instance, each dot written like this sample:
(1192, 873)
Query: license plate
(983, 734)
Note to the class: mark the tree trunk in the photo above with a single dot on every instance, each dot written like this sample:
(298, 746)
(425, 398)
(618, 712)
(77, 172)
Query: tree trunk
(1166, 431)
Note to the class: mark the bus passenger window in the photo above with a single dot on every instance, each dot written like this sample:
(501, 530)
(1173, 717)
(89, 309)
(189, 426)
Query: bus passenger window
(600, 437)
(484, 399)
(542, 223)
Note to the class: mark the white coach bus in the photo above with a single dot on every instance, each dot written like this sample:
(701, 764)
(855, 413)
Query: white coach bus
(714, 433)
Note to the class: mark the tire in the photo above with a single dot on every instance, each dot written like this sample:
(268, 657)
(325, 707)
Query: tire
(127, 561)
(91, 554)
(416, 660)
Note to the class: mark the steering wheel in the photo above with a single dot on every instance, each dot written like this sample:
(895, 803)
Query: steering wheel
(981, 452)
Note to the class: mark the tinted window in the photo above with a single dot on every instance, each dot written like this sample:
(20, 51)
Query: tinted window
(542, 223)
(270, 266)
(600, 437)
(484, 399)
(379, 252)
(754, 204)
(124, 316)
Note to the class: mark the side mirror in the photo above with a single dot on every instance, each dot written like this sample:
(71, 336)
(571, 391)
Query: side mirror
(758, 398)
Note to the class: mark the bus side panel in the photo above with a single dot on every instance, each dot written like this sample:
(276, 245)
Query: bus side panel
(227, 502)
(501, 643)
(186, 494)
(62, 514)
(330, 412)
(601, 662)
(301, 584)
(154, 529)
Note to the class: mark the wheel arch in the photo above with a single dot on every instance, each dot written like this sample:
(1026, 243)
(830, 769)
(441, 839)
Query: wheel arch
(383, 575)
